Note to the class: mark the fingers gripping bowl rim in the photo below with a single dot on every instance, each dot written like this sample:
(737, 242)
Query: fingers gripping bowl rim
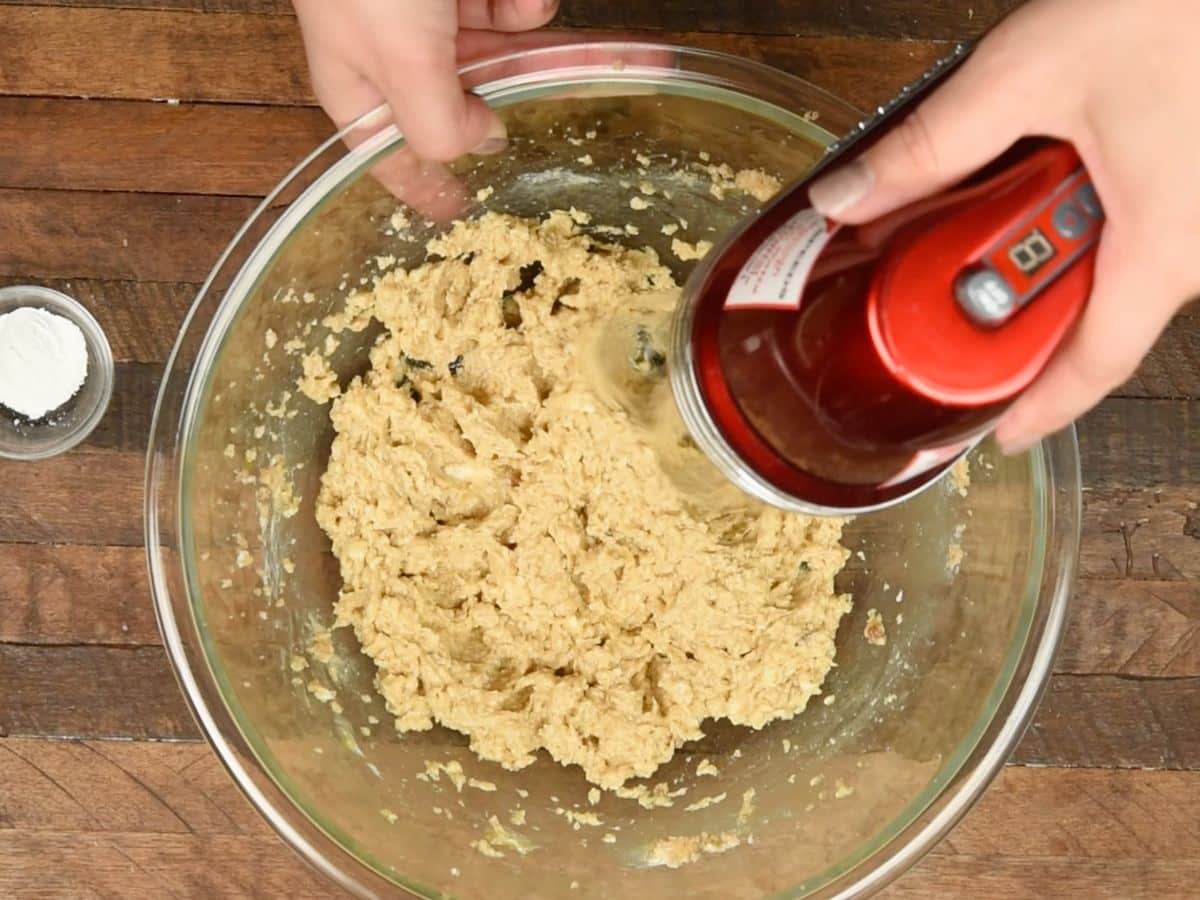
(212, 658)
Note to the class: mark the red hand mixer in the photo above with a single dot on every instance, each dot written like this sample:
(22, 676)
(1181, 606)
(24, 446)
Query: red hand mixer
(834, 369)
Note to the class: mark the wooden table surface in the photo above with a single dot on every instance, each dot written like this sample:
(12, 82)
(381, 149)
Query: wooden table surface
(124, 201)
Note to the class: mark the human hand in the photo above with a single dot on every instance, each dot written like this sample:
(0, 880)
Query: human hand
(1114, 78)
(406, 52)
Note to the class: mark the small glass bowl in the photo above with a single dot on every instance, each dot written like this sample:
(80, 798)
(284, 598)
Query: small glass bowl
(65, 427)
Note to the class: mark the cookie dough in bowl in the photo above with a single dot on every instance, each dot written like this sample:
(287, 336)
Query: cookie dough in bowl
(418, 514)
(516, 559)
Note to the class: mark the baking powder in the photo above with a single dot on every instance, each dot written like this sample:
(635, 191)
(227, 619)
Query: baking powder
(43, 361)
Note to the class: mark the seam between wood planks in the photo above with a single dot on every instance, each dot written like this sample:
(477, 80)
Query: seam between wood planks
(114, 191)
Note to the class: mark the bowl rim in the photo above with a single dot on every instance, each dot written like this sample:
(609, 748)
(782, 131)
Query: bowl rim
(1057, 459)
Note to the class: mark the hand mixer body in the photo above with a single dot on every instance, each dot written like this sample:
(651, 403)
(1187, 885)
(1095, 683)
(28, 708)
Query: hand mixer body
(847, 367)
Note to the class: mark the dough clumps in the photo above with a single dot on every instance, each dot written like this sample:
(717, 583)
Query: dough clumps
(516, 558)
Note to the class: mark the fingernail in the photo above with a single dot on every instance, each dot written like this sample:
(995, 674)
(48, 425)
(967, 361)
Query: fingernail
(491, 145)
(496, 140)
(549, 5)
(838, 191)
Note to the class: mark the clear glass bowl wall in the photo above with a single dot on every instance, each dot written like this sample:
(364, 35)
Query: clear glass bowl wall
(917, 728)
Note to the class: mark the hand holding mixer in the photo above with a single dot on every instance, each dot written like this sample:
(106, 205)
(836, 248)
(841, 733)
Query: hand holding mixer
(832, 369)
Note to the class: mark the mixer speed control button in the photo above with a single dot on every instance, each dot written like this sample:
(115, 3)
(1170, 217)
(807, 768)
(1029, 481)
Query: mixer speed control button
(1088, 200)
(985, 296)
(1069, 222)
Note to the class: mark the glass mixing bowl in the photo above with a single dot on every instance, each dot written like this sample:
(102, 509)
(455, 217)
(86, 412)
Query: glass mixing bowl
(847, 795)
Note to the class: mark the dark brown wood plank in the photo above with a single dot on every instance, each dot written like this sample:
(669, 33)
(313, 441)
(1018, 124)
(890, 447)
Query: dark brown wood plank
(106, 692)
(76, 594)
(941, 19)
(1000, 877)
(1173, 368)
(56, 594)
(861, 71)
(86, 496)
(1141, 443)
(42, 503)
(141, 319)
(122, 786)
(1079, 832)
(259, 59)
(119, 236)
(931, 19)
(1116, 834)
(1033, 826)
(126, 423)
(1128, 627)
(1147, 535)
(113, 864)
(1136, 611)
(173, 788)
(1104, 720)
(250, 7)
(132, 146)
(51, 594)
(85, 52)
(126, 692)
(1099, 814)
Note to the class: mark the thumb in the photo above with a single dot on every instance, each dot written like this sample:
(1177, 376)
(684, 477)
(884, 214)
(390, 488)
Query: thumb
(1126, 313)
(969, 120)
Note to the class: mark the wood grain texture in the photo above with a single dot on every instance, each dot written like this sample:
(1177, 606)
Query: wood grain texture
(79, 653)
(119, 145)
(119, 816)
(84, 52)
(50, 594)
(1141, 443)
(1127, 627)
(259, 59)
(999, 876)
(118, 236)
(55, 594)
(115, 692)
(249, 7)
(1069, 833)
(109, 692)
(126, 423)
(939, 19)
(1148, 535)
(864, 72)
(1103, 720)
(945, 19)
(1095, 814)
(126, 786)
(42, 503)
(1173, 369)
(141, 319)
(1144, 533)
(35, 865)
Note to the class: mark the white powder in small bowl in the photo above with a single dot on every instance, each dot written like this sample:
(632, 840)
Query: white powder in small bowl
(43, 361)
